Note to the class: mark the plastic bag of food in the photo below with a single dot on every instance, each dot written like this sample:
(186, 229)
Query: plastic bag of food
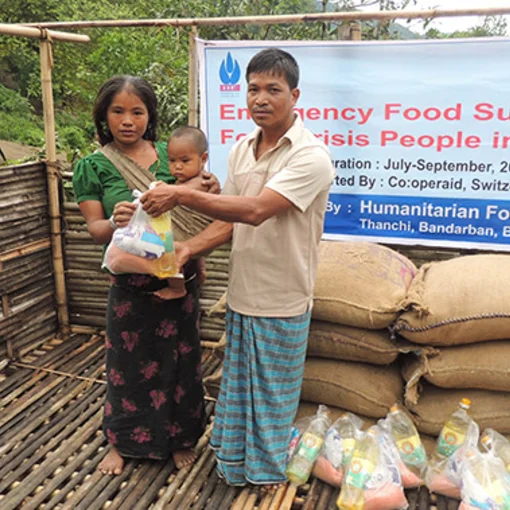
(444, 474)
(492, 441)
(309, 446)
(410, 450)
(338, 449)
(485, 484)
(296, 432)
(148, 239)
(373, 481)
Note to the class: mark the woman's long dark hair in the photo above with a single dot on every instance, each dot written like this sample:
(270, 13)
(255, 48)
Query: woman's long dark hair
(109, 90)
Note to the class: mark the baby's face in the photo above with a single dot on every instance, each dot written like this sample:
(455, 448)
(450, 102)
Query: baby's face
(185, 162)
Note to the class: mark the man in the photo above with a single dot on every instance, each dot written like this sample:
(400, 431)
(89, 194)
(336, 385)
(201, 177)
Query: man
(272, 206)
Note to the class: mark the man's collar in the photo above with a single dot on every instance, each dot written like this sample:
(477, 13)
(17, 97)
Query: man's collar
(292, 134)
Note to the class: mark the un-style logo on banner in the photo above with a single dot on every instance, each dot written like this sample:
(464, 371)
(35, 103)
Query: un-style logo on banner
(230, 74)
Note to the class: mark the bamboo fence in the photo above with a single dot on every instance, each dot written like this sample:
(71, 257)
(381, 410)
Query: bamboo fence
(28, 315)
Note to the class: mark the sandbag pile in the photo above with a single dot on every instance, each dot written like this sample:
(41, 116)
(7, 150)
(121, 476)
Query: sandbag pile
(460, 310)
(351, 359)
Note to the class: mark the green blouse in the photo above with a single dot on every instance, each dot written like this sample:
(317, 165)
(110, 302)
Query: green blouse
(95, 178)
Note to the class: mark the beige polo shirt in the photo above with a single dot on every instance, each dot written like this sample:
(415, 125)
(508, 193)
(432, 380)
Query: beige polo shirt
(273, 266)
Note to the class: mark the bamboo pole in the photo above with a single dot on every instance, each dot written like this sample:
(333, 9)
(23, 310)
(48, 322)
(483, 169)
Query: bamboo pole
(193, 79)
(53, 195)
(37, 33)
(355, 31)
(278, 19)
(23, 250)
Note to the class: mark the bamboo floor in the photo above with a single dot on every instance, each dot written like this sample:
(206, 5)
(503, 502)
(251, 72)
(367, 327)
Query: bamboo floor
(51, 443)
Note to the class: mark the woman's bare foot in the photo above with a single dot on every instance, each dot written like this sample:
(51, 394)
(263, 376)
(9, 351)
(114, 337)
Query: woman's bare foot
(183, 458)
(112, 464)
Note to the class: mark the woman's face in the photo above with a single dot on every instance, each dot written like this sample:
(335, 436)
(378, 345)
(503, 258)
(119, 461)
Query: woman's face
(127, 118)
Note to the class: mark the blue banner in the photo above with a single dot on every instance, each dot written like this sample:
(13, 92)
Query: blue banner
(419, 133)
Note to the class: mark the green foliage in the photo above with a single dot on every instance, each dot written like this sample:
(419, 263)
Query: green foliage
(158, 54)
(27, 130)
(492, 26)
(12, 103)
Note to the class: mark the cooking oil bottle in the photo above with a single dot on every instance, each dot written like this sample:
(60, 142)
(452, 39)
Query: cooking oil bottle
(309, 447)
(407, 439)
(499, 445)
(166, 265)
(454, 431)
(363, 463)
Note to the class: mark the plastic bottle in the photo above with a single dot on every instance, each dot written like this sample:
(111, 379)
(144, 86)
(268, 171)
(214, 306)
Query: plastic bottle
(407, 439)
(166, 265)
(453, 433)
(363, 463)
(308, 449)
(346, 430)
(498, 445)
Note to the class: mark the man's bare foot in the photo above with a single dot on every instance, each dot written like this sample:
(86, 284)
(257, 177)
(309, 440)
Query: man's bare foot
(183, 458)
(112, 464)
(272, 488)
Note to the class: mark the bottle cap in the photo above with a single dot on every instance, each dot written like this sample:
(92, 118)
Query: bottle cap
(465, 403)
(486, 439)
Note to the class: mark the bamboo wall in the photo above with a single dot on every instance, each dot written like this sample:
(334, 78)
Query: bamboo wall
(28, 314)
(87, 285)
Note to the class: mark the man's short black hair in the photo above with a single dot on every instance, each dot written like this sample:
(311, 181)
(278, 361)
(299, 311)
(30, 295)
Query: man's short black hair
(195, 134)
(277, 62)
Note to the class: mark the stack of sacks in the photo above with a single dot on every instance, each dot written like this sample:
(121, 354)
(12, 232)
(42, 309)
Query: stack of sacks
(351, 361)
(460, 309)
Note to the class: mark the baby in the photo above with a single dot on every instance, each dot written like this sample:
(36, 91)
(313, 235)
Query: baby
(187, 155)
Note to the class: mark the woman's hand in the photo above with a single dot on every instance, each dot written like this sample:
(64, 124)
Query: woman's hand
(210, 182)
(122, 213)
(204, 181)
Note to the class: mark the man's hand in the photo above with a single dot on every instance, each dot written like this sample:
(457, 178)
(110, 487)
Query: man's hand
(160, 199)
(182, 254)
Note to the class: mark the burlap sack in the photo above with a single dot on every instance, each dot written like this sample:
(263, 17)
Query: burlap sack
(336, 341)
(488, 408)
(368, 390)
(485, 366)
(360, 284)
(458, 301)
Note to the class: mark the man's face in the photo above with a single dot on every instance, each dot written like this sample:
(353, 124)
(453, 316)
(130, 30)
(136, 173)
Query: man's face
(271, 101)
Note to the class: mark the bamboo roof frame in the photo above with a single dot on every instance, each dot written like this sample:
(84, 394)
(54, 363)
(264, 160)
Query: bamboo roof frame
(279, 19)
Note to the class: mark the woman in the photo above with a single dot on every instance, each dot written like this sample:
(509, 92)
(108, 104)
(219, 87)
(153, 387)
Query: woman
(154, 401)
